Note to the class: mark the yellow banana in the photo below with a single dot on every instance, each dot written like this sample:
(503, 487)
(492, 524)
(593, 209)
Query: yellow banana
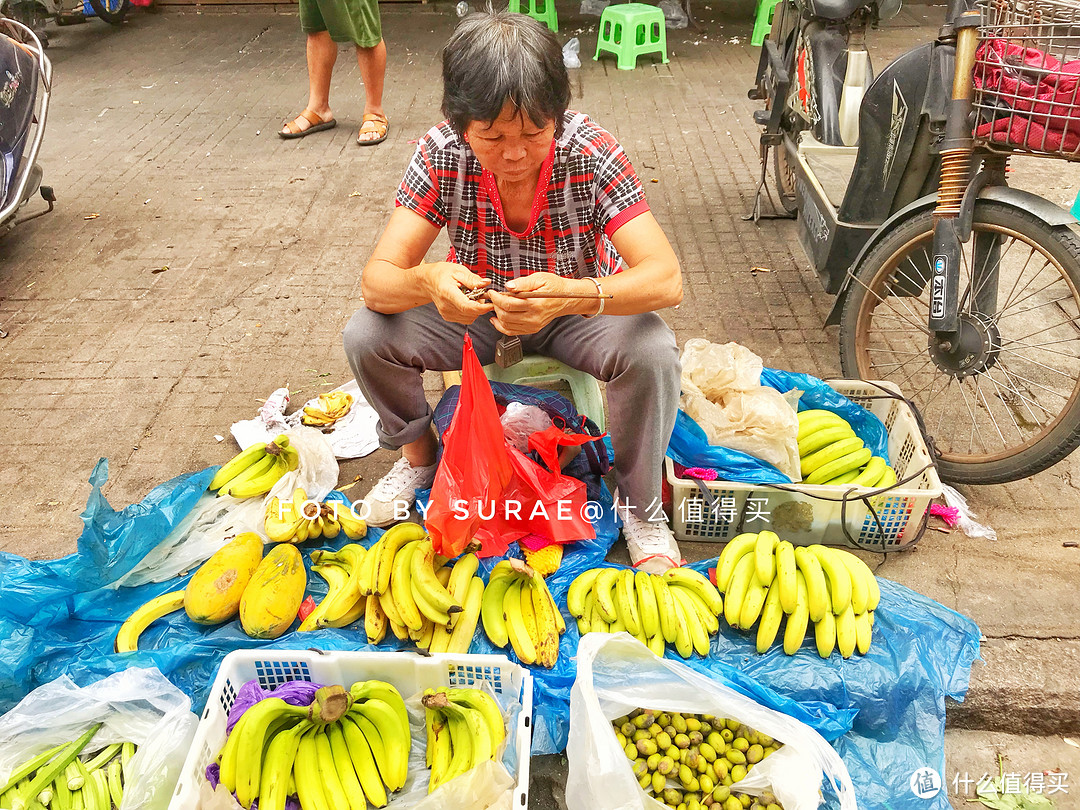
(846, 632)
(862, 579)
(665, 607)
(838, 575)
(816, 588)
(394, 538)
(280, 521)
(771, 616)
(754, 600)
(684, 640)
(863, 632)
(698, 583)
(547, 629)
(698, 637)
(798, 620)
(362, 737)
(736, 592)
(516, 623)
(309, 789)
(460, 579)
(491, 610)
(127, 639)
(259, 484)
(812, 442)
(605, 598)
(731, 555)
(626, 601)
(764, 557)
(264, 465)
(871, 473)
(825, 634)
(579, 588)
(708, 618)
(345, 619)
(888, 479)
(345, 601)
(648, 613)
(367, 569)
(354, 527)
(843, 480)
(826, 472)
(584, 622)
(237, 464)
(401, 587)
(337, 578)
(785, 575)
(434, 600)
(828, 454)
(461, 639)
(328, 771)
(374, 620)
(816, 419)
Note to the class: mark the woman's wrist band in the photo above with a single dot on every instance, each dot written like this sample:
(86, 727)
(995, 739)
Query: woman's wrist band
(600, 292)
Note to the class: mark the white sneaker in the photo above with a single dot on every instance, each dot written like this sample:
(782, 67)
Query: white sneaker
(652, 545)
(391, 498)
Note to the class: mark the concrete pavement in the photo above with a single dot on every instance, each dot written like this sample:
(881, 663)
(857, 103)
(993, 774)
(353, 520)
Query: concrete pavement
(195, 262)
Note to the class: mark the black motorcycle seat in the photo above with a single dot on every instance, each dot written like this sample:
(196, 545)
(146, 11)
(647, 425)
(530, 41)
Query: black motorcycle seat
(835, 9)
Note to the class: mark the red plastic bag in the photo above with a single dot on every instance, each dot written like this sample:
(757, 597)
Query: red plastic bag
(487, 492)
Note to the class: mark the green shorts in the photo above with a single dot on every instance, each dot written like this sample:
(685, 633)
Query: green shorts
(355, 21)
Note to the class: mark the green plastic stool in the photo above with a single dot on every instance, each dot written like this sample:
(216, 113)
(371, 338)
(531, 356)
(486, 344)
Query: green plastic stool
(535, 368)
(629, 30)
(542, 10)
(762, 21)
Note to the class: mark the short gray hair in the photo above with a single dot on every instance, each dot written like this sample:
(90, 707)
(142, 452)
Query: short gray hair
(497, 56)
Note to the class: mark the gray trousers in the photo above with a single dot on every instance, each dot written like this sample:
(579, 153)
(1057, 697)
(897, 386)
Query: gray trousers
(636, 355)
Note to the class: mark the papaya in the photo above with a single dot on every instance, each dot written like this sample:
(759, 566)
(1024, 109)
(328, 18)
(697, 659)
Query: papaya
(273, 596)
(213, 594)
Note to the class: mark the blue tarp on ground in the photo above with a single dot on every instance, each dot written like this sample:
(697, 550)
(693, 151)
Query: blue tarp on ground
(57, 617)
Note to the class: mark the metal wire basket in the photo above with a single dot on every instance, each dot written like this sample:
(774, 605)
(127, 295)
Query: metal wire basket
(1027, 77)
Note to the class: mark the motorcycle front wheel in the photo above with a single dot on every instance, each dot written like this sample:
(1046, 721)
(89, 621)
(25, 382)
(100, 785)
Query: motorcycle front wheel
(111, 11)
(1002, 401)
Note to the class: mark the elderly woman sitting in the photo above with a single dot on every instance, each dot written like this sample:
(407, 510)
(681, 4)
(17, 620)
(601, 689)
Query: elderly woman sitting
(534, 197)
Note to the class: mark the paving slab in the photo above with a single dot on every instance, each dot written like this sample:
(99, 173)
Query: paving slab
(196, 262)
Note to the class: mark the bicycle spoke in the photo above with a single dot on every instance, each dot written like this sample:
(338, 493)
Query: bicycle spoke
(917, 371)
(989, 412)
(1001, 258)
(1068, 297)
(1027, 402)
(974, 421)
(1014, 375)
(1019, 301)
(1020, 275)
(1040, 365)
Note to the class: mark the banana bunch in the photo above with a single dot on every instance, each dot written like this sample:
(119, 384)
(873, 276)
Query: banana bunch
(830, 453)
(409, 591)
(464, 728)
(343, 603)
(347, 749)
(301, 519)
(254, 471)
(328, 408)
(764, 579)
(518, 609)
(678, 607)
(692, 761)
(62, 780)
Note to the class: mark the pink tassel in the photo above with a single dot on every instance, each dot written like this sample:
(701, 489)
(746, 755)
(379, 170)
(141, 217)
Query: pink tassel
(950, 514)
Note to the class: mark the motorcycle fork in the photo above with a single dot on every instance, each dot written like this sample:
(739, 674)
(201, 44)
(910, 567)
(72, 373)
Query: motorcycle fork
(956, 158)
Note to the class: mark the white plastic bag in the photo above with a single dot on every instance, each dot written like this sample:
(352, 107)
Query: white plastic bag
(571, 54)
(214, 520)
(136, 705)
(616, 674)
(722, 392)
(520, 421)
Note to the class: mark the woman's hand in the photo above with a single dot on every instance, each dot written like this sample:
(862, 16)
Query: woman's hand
(444, 283)
(527, 316)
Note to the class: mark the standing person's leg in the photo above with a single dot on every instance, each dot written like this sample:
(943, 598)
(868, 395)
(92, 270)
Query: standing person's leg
(321, 56)
(388, 355)
(637, 356)
(372, 63)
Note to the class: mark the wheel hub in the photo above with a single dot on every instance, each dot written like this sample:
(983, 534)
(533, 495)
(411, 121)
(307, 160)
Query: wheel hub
(972, 350)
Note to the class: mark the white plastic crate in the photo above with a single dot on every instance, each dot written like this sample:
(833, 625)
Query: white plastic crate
(408, 672)
(805, 513)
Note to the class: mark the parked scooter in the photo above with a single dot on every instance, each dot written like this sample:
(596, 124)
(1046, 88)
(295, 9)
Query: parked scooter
(962, 291)
(35, 13)
(25, 85)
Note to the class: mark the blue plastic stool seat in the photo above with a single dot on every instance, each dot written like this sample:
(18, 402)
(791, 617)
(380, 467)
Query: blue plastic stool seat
(630, 30)
(535, 368)
(542, 10)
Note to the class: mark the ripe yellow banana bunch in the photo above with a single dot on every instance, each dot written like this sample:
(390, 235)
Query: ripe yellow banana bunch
(328, 408)
(254, 471)
(678, 607)
(694, 760)
(764, 579)
(830, 453)
(410, 592)
(64, 777)
(464, 728)
(301, 519)
(347, 749)
(518, 610)
(343, 603)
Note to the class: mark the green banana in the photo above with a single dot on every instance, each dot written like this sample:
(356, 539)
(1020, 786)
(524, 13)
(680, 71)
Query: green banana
(491, 609)
(365, 762)
(764, 556)
(626, 601)
(816, 588)
(786, 568)
(823, 437)
(732, 553)
(605, 599)
(838, 574)
(736, 591)
(395, 739)
(665, 606)
(833, 469)
(827, 455)
(771, 615)
(871, 473)
(798, 620)
(236, 465)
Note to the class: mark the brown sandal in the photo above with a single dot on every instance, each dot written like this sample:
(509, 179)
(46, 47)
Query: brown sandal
(317, 124)
(373, 122)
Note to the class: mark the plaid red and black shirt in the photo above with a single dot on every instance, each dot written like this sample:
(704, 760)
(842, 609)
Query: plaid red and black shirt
(587, 190)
